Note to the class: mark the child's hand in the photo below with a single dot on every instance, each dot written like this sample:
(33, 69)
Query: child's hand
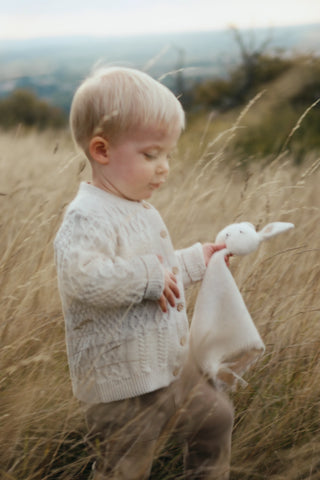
(170, 291)
(210, 248)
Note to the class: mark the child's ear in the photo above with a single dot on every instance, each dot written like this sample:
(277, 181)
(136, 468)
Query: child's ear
(99, 150)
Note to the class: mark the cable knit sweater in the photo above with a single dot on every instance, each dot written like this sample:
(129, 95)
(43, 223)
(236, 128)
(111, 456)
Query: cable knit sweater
(119, 342)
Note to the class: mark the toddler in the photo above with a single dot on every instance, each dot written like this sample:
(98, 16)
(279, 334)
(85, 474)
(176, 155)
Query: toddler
(122, 289)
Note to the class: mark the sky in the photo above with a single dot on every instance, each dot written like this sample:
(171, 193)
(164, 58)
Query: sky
(45, 18)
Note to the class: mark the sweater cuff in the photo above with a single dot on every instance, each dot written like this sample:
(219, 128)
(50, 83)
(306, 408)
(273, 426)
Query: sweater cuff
(155, 277)
(193, 260)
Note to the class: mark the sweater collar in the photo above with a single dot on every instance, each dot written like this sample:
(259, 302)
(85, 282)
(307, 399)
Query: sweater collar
(105, 196)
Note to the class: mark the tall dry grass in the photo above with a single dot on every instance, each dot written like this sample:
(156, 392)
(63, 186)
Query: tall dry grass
(276, 434)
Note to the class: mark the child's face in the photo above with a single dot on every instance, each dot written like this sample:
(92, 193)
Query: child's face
(138, 164)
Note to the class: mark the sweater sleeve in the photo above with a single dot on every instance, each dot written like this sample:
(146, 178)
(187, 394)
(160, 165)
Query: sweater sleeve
(98, 276)
(192, 263)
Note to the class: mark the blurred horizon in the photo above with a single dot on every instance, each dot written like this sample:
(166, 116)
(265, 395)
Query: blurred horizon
(53, 67)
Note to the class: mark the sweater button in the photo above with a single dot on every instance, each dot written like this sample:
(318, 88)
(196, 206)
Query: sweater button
(176, 372)
(183, 341)
(175, 270)
(163, 234)
(146, 205)
(180, 307)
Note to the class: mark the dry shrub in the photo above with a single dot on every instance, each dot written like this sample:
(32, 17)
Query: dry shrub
(276, 433)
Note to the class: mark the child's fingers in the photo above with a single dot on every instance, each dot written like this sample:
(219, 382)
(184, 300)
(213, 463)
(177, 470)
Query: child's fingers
(170, 292)
(163, 303)
(173, 277)
(174, 288)
(227, 259)
(170, 297)
(216, 247)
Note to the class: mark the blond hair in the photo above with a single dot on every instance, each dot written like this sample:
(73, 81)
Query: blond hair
(115, 100)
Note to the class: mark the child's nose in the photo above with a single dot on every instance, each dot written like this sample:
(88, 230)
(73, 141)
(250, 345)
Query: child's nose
(163, 166)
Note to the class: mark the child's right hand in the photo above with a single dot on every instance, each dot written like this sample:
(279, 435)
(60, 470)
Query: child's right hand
(170, 291)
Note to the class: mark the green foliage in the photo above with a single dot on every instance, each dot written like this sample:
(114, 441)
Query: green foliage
(269, 67)
(23, 107)
(242, 82)
(217, 93)
(287, 115)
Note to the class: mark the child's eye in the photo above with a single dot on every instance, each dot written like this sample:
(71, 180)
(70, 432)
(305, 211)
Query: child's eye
(150, 156)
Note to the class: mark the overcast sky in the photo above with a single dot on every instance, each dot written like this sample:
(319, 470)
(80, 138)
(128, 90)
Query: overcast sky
(38, 18)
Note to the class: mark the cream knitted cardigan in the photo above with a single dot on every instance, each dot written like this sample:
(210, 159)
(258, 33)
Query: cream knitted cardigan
(119, 342)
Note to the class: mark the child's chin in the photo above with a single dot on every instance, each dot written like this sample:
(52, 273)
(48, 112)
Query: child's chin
(146, 196)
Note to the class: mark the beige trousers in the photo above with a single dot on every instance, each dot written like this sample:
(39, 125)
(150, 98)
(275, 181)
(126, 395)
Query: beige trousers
(126, 435)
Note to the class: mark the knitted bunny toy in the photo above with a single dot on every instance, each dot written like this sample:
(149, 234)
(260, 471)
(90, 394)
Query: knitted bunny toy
(224, 341)
(242, 238)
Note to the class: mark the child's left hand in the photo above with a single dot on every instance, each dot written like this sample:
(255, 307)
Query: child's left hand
(210, 248)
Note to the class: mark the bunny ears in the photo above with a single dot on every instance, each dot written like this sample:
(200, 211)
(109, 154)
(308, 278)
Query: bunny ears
(242, 238)
(274, 228)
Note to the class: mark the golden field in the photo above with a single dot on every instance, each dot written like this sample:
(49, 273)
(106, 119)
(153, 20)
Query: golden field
(276, 433)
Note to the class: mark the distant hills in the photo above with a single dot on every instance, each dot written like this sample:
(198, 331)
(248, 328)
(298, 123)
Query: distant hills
(53, 67)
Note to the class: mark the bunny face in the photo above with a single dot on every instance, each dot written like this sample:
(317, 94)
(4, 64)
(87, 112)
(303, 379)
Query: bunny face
(240, 238)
